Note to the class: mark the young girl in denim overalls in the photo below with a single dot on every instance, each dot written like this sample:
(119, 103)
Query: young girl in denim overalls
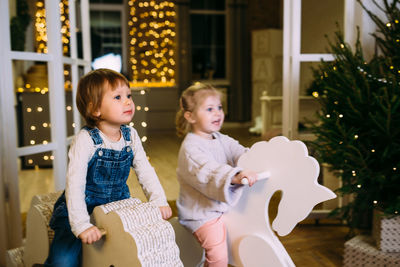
(100, 158)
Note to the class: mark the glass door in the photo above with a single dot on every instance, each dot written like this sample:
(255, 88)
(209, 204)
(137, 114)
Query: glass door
(41, 66)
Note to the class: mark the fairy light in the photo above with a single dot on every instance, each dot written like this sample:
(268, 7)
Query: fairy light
(41, 35)
(152, 31)
(40, 26)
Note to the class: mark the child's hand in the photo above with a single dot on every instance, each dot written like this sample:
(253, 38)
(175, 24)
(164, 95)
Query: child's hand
(166, 212)
(90, 235)
(249, 175)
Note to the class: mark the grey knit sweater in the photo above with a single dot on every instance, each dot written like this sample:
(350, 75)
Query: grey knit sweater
(205, 170)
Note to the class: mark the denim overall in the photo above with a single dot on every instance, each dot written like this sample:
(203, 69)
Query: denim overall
(106, 178)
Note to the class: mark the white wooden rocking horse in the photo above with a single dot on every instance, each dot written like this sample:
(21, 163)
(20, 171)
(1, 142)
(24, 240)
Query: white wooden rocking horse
(251, 240)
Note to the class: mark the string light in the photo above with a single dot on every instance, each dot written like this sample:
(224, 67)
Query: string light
(41, 35)
(152, 46)
(40, 26)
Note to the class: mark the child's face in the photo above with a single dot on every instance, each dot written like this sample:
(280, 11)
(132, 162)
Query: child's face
(117, 106)
(208, 117)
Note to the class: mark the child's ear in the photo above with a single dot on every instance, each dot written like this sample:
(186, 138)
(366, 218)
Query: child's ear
(189, 117)
(95, 113)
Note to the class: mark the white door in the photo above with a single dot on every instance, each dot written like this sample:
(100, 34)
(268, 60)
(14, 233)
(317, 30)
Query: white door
(304, 45)
(37, 113)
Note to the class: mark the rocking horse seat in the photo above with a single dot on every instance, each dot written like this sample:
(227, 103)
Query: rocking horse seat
(136, 235)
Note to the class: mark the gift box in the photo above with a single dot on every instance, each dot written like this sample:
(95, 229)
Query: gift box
(386, 232)
(361, 251)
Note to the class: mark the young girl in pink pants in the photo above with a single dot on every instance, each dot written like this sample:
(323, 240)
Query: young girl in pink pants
(209, 179)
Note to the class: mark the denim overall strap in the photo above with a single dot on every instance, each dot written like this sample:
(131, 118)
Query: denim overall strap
(126, 132)
(94, 134)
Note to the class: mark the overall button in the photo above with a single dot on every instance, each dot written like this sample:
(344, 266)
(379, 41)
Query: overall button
(128, 149)
(100, 153)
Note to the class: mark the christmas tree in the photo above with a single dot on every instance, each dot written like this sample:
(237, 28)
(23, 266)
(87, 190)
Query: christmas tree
(358, 133)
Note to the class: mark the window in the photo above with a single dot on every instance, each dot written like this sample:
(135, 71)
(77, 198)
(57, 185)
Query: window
(107, 26)
(208, 30)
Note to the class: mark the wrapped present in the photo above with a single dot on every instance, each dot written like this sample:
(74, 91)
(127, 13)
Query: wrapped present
(386, 232)
(361, 251)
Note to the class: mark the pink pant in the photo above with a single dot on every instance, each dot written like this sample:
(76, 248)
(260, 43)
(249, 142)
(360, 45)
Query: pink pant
(212, 237)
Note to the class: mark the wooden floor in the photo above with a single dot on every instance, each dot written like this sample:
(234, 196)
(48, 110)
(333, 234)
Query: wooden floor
(308, 245)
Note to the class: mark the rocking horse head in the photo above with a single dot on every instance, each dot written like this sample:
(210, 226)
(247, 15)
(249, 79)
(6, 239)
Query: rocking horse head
(293, 172)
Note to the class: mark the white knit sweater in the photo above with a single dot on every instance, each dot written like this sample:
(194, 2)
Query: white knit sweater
(205, 171)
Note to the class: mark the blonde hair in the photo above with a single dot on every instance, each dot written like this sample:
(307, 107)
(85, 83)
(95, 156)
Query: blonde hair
(190, 100)
(91, 88)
